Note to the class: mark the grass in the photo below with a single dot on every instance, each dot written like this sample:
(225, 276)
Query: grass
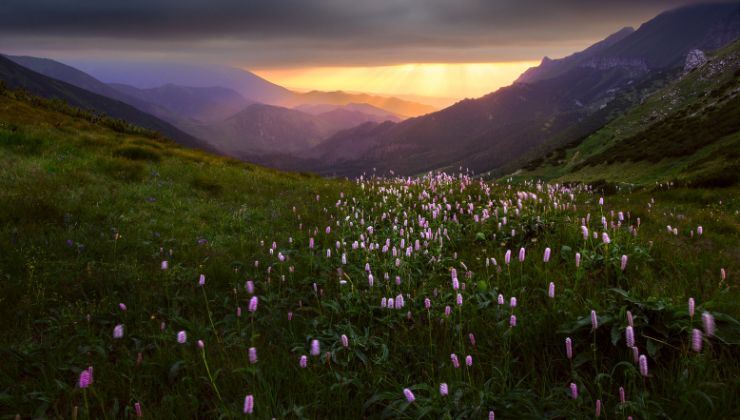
(85, 227)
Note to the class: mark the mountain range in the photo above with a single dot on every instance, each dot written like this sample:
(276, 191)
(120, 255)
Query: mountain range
(548, 109)
(556, 102)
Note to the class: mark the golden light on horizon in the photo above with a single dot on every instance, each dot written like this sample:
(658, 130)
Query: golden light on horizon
(438, 80)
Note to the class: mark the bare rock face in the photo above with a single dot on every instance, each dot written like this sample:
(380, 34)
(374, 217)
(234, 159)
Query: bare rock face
(694, 59)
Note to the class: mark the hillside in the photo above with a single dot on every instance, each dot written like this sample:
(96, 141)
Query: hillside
(17, 76)
(186, 284)
(689, 131)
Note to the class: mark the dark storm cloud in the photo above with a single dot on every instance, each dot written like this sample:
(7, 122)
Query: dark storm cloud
(287, 32)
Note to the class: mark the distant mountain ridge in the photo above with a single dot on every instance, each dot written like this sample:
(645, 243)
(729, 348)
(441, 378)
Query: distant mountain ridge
(199, 103)
(147, 75)
(17, 76)
(262, 128)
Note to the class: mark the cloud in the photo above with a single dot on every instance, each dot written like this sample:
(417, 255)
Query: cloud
(264, 33)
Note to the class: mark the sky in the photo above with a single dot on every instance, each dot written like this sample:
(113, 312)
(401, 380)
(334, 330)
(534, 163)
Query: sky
(438, 48)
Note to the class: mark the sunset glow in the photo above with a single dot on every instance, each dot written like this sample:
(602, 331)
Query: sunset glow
(442, 80)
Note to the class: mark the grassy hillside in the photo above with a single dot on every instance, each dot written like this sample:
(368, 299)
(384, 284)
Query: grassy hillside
(91, 208)
(687, 132)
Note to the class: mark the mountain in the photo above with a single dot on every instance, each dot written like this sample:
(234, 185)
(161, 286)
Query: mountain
(367, 109)
(662, 42)
(261, 128)
(393, 105)
(199, 103)
(688, 132)
(17, 76)
(60, 71)
(148, 75)
(500, 128)
(549, 68)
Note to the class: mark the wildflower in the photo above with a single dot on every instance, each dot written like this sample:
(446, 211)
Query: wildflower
(597, 413)
(594, 320)
(622, 397)
(629, 319)
(584, 231)
(459, 299)
(248, 404)
(201, 344)
(507, 257)
(137, 409)
(722, 274)
(370, 280)
(290, 316)
(384, 302)
(303, 362)
(491, 415)
(578, 259)
(427, 303)
(471, 337)
(629, 335)
(164, 265)
(500, 299)
(202, 280)
(409, 395)
(699, 230)
(574, 391)
(512, 321)
(118, 331)
(546, 257)
(345, 341)
(468, 360)
(252, 355)
(512, 302)
(605, 238)
(122, 306)
(551, 290)
(443, 391)
(569, 348)
(85, 378)
(249, 285)
(315, 348)
(692, 305)
(182, 337)
(455, 284)
(253, 302)
(708, 320)
(522, 253)
(455, 361)
(696, 340)
(643, 365)
(623, 263)
(238, 311)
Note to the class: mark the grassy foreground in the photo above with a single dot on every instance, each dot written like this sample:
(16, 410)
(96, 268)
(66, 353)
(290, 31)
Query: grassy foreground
(89, 211)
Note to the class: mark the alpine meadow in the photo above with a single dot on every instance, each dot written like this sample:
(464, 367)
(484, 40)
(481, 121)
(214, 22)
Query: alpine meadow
(383, 210)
